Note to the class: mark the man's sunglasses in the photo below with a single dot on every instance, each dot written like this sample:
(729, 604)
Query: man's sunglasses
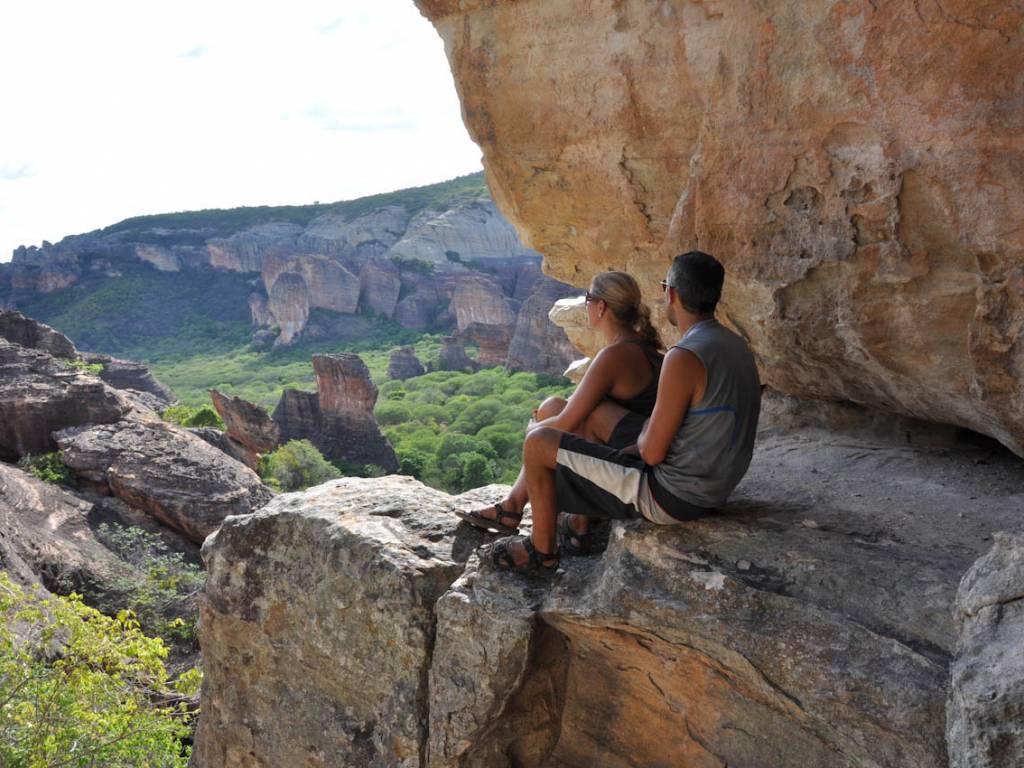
(665, 285)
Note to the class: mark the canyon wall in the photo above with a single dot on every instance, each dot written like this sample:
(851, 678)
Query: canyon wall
(857, 166)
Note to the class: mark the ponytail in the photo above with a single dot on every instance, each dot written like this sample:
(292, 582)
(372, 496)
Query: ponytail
(646, 328)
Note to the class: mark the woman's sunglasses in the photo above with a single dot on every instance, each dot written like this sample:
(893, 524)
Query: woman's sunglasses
(589, 297)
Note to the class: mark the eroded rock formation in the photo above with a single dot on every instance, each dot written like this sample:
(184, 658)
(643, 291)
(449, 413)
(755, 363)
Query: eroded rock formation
(246, 422)
(40, 394)
(338, 417)
(403, 364)
(856, 166)
(453, 357)
(809, 625)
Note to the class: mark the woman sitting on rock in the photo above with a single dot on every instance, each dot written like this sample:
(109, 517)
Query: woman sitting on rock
(610, 404)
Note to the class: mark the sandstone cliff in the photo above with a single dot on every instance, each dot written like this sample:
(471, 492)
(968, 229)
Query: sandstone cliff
(856, 165)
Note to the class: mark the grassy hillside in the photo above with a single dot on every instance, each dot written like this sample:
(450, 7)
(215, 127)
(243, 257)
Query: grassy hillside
(220, 222)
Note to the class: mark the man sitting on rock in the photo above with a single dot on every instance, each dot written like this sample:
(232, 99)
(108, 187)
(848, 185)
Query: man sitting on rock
(691, 454)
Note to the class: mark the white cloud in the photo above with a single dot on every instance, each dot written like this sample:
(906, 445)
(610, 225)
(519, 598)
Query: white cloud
(137, 108)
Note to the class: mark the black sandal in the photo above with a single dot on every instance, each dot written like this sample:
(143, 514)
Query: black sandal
(491, 524)
(498, 554)
(570, 541)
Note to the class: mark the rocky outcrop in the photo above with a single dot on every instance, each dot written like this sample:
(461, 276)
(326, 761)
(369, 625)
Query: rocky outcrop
(493, 342)
(808, 625)
(453, 357)
(289, 306)
(403, 364)
(130, 375)
(245, 251)
(363, 701)
(246, 422)
(855, 166)
(985, 717)
(538, 344)
(471, 231)
(26, 332)
(358, 239)
(480, 300)
(40, 394)
(338, 417)
(46, 537)
(379, 286)
(418, 309)
(165, 471)
(222, 441)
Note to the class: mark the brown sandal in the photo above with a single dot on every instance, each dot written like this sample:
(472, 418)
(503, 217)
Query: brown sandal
(476, 518)
(499, 555)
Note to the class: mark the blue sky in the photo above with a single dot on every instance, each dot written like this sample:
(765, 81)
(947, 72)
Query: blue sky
(113, 109)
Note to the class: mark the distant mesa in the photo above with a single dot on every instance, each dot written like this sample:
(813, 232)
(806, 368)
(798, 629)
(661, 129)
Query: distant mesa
(438, 259)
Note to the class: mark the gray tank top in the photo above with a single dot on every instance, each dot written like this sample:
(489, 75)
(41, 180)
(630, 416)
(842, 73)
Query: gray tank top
(712, 449)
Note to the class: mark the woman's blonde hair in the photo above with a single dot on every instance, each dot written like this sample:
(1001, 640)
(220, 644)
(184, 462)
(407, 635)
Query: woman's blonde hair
(622, 295)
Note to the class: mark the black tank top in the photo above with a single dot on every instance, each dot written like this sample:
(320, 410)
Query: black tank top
(643, 401)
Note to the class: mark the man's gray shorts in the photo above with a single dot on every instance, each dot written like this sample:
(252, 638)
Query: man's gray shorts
(598, 481)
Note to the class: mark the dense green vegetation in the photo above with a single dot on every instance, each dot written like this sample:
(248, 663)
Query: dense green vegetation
(78, 688)
(458, 430)
(295, 466)
(219, 222)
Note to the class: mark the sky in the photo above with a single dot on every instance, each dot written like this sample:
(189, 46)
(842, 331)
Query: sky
(114, 109)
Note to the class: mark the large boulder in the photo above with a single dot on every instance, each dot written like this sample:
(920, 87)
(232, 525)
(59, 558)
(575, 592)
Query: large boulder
(986, 702)
(288, 304)
(328, 596)
(26, 332)
(419, 308)
(808, 625)
(40, 394)
(164, 470)
(856, 166)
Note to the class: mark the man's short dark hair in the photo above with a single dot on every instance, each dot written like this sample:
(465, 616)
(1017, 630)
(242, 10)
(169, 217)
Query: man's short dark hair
(697, 278)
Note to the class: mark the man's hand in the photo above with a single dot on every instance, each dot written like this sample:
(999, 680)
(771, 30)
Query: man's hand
(681, 385)
(631, 450)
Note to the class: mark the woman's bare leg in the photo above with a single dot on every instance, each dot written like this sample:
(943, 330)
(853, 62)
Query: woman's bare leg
(515, 502)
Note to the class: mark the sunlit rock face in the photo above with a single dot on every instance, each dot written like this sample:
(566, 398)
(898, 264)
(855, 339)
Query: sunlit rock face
(857, 166)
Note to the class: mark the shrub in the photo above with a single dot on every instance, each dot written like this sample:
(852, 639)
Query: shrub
(82, 689)
(414, 463)
(191, 416)
(163, 588)
(48, 467)
(295, 466)
(390, 412)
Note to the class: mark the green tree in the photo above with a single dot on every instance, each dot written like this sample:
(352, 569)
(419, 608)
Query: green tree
(80, 689)
(295, 466)
(191, 416)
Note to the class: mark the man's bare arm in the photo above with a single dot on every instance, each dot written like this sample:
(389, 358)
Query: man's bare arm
(682, 379)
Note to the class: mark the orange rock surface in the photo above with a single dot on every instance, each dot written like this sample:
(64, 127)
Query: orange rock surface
(858, 166)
